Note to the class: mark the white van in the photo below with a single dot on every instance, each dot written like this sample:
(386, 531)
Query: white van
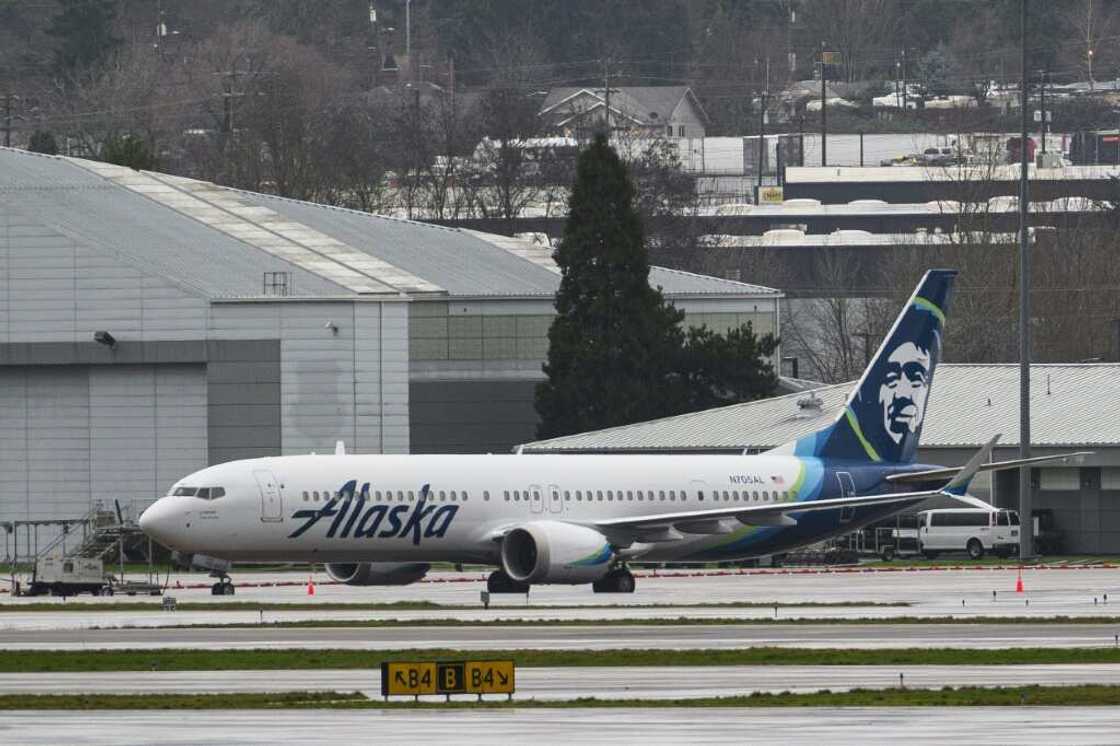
(972, 530)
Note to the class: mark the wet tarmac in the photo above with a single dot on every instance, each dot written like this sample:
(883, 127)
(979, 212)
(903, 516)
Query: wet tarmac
(811, 726)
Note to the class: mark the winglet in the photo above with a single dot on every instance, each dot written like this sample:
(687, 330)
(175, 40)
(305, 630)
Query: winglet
(958, 485)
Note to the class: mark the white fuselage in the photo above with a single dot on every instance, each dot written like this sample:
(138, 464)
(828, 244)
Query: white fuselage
(451, 508)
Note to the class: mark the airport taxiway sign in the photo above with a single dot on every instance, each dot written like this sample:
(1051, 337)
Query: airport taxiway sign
(413, 678)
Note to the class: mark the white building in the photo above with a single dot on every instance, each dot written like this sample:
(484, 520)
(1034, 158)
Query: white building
(242, 325)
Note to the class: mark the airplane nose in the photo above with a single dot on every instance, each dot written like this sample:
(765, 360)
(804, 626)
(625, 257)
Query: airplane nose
(156, 522)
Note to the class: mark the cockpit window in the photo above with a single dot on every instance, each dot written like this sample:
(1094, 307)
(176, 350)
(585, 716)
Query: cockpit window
(206, 493)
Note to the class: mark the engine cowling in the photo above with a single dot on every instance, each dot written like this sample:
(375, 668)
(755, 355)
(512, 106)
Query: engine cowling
(377, 573)
(555, 552)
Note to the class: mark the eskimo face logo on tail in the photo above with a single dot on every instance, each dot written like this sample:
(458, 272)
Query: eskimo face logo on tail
(353, 519)
(904, 389)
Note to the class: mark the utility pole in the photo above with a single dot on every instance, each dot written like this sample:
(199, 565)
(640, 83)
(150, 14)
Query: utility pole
(607, 97)
(1026, 532)
(824, 113)
(762, 126)
(1042, 108)
(408, 30)
(8, 99)
(904, 79)
(1089, 41)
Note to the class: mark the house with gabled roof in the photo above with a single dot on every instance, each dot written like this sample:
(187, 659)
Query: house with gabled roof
(646, 111)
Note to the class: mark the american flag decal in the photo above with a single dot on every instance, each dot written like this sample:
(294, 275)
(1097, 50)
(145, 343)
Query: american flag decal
(777, 479)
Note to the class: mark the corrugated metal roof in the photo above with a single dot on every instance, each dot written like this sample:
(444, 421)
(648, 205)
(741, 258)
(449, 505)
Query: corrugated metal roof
(93, 211)
(471, 263)
(219, 242)
(1071, 406)
(460, 263)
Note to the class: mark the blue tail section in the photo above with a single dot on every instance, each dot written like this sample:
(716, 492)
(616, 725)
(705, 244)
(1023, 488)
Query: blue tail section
(882, 419)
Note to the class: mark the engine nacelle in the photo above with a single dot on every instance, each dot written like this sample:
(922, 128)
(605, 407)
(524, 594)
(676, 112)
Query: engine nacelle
(377, 573)
(555, 552)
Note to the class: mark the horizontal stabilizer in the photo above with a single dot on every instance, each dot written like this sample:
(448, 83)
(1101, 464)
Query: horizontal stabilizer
(932, 475)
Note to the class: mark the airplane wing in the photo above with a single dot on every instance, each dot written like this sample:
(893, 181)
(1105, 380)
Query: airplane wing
(672, 526)
(947, 473)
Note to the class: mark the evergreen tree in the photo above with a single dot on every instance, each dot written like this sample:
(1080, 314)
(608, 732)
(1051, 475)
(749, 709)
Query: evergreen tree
(617, 354)
(130, 151)
(614, 341)
(42, 142)
(722, 369)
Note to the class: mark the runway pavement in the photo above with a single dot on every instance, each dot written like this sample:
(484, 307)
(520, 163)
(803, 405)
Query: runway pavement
(933, 594)
(572, 683)
(915, 726)
(603, 637)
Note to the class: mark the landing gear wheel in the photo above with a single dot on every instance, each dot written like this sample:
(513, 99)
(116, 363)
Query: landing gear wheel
(975, 549)
(616, 581)
(223, 587)
(499, 582)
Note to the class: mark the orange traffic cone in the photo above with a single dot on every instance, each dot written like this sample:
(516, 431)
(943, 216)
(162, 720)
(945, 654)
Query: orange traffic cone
(311, 586)
(1019, 582)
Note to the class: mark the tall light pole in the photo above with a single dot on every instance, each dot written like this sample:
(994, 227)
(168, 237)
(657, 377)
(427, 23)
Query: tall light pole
(1026, 528)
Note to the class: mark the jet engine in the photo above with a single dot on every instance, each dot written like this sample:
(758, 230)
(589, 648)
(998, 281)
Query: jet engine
(555, 552)
(377, 573)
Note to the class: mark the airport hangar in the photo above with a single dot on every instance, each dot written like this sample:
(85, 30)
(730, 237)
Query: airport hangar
(247, 325)
(1070, 411)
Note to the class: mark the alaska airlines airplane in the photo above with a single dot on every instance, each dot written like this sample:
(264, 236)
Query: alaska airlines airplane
(381, 519)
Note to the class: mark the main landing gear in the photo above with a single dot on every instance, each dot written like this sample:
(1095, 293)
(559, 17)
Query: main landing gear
(619, 580)
(224, 587)
(499, 582)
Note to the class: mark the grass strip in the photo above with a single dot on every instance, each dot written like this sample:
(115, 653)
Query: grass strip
(666, 621)
(78, 606)
(264, 659)
(1040, 696)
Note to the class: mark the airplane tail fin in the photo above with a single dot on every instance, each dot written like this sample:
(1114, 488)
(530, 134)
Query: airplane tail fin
(882, 419)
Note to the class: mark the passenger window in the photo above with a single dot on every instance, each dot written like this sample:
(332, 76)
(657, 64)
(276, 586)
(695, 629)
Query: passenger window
(306, 497)
(486, 495)
(400, 495)
(673, 495)
(765, 495)
(567, 495)
(536, 494)
(599, 495)
(465, 495)
(785, 496)
(507, 495)
(442, 495)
